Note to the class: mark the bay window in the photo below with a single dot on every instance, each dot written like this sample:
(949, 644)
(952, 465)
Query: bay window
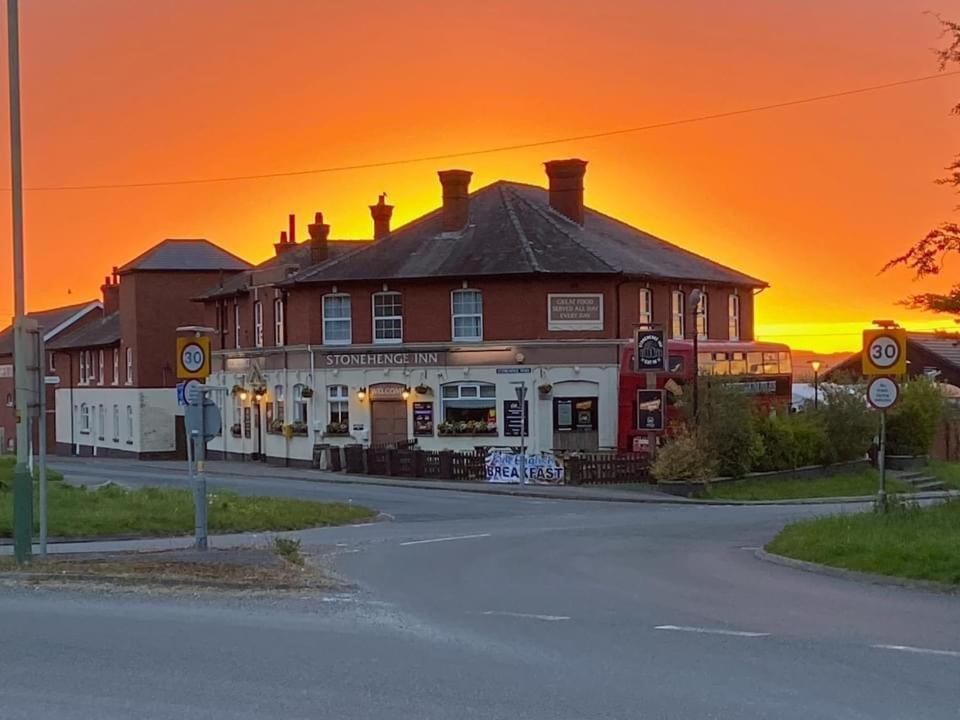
(468, 408)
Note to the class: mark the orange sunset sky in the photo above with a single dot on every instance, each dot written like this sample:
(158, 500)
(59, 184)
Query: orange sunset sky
(814, 199)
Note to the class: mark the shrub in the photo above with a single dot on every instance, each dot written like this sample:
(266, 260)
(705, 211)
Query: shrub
(727, 428)
(912, 423)
(849, 423)
(682, 459)
(790, 441)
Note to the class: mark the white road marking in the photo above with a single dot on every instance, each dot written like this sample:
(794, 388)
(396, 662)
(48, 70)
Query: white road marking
(361, 524)
(711, 631)
(445, 539)
(529, 616)
(923, 651)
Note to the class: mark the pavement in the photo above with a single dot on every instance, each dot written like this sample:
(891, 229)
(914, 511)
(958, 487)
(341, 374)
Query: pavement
(487, 606)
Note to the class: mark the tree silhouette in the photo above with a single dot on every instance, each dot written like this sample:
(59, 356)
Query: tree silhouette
(927, 256)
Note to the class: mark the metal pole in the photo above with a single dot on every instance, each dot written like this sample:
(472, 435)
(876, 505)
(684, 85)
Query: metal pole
(882, 462)
(523, 445)
(23, 483)
(696, 372)
(42, 438)
(200, 477)
(816, 389)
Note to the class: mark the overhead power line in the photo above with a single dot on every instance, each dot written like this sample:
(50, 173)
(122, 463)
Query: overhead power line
(503, 148)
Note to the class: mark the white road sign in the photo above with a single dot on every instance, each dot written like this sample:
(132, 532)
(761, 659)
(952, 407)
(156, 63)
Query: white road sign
(193, 357)
(884, 351)
(882, 393)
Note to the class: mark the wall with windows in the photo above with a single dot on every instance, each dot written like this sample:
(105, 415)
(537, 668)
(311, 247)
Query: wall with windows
(116, 421)
(468, 407)
(655, 302)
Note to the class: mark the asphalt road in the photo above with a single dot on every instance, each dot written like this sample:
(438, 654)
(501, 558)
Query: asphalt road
(473, 606)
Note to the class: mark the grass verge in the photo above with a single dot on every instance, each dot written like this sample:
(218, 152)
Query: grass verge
(946, 472)
(911, 542)
(113, 510)
(847, 485)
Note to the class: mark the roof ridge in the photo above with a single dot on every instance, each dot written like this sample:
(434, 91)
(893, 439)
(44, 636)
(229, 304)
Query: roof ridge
(549, 217)
(515, 221)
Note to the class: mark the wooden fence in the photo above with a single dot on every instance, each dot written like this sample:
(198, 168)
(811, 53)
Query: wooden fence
(607, 469)
(410, 461)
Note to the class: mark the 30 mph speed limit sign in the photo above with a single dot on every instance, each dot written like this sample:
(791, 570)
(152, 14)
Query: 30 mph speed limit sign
(885, 351)
(193, 358)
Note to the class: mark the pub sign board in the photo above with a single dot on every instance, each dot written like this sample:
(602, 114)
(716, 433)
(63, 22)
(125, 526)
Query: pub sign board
(515, 417)
(574, 311)
(650, 350)
(650, 410)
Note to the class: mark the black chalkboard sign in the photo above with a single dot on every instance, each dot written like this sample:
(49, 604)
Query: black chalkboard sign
(423, 419)
(513, 414)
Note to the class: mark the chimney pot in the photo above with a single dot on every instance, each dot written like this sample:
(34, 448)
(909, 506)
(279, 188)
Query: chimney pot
(111, 296)
(283, 246)
(456, 198)
(292, 235)
(319, 232)
(381, 213)
(566, 187)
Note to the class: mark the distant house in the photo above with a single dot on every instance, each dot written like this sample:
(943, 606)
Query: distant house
(936, 355)
(54, 323)
(116, 375)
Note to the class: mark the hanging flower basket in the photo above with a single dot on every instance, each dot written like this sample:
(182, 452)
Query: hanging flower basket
(306, 392)
(545, 389)
(423, 390)
(237, 389)
(235, 430)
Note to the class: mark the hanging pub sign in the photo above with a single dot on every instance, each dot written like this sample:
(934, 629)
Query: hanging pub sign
(423, 419)
(650, 404)
(515, 417)
(650, 350)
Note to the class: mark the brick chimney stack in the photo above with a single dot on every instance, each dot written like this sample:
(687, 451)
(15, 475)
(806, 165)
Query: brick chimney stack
(381, 213)
(319, 232)
(292, 233)
(284, 245)
(111, 293)
(566, 187)
(456, 198)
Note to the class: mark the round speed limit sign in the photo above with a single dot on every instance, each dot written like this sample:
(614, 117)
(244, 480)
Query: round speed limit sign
(884, 351)
(192, 356)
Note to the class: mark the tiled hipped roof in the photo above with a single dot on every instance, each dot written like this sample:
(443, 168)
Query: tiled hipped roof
(292, 261)
(512, 230)
(941, 345)
(185, 254)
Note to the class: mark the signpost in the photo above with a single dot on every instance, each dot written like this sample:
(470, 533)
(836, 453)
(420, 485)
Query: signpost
(521, 389)
(884, 354)
(201, 419)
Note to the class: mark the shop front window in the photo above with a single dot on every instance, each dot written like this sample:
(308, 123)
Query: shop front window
(468, 408)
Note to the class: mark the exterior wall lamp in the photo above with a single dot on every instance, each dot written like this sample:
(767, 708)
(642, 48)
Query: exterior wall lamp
(243, 396)
(362, 394)
(405, 393)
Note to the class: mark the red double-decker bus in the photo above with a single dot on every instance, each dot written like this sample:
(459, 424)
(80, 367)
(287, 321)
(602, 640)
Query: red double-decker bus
(759, 369)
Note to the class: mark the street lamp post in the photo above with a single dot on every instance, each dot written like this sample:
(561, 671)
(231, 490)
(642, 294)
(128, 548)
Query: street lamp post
(23, 483)
(815, 364)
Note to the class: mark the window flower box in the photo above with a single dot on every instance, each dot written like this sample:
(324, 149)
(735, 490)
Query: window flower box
(469, 427)
(336, 428)
(298, 428)
(275, 427)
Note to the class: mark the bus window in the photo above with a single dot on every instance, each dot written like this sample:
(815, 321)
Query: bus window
(705, 363)
(721, 366)
(771, 363)
(754, 363)
(675, 364)
(738, 363)
(786, 366)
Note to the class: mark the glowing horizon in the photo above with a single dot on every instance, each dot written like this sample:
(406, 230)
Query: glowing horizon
(813, 199)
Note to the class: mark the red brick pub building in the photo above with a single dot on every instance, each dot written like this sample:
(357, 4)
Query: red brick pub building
(426, 332)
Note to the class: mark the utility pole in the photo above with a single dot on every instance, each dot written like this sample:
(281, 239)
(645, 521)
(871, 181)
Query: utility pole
(22, 482)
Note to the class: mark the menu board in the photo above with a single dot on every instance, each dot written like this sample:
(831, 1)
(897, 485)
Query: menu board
(513, 416)
(423, 418)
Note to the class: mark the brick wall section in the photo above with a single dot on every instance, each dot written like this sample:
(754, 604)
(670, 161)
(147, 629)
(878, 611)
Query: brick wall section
(513, 309)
